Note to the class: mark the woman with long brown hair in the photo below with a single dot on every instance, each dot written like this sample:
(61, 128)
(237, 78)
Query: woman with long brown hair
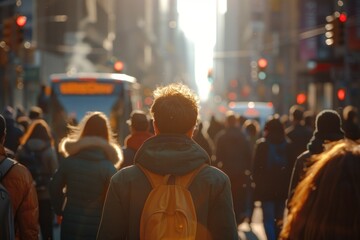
(38, 154)
(92, 156)
(326, 203)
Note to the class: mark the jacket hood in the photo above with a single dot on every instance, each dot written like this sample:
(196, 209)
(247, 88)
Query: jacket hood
(171, 154)
(71, 147)
(37, 144)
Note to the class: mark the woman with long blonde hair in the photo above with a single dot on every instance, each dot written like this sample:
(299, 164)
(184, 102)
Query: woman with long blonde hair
(79, 186)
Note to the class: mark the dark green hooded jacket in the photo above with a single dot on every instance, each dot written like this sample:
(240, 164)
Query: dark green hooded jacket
(177, 155)
(86, 176)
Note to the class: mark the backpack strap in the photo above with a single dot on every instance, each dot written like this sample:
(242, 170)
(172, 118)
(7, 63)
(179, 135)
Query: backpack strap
(157, 179)
(154, 179)
(5, 166)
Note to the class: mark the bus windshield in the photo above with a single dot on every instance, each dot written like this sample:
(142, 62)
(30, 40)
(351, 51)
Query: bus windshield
(72, 96)
(259, 111)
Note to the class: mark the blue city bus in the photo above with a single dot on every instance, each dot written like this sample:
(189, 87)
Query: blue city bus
(73, 95)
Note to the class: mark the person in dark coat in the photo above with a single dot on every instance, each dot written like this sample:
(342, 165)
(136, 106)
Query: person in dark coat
(251, 128)
(170, 151)
(351, 123)
(298, 133)
(328, 128)
(92, 158)
(139, 133)
(214, 127)
(38, 138)
(203, 140)
(234, 156)
(273, 161)
(35, 113)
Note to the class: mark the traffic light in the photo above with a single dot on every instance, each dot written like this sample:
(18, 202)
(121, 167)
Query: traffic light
(341, 21)
(301, 98)
(118, 66)
(13, 31)
(262, 65)
(20, 24)
(335, 29)
(341, 94)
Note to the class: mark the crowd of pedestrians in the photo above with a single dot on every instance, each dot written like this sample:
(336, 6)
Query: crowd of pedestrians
(99, 189)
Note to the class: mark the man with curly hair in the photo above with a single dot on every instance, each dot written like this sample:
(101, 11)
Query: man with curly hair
(170, 152)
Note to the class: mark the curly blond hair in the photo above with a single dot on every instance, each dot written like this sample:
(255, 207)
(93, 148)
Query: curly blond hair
(175, 108)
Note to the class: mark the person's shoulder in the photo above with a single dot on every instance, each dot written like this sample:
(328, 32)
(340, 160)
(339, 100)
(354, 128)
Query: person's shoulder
(19, 172)
(303, 156)
(127, 174)
(213, 174)
(261, 141)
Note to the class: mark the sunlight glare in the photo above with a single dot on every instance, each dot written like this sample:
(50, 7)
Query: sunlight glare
(197, 21)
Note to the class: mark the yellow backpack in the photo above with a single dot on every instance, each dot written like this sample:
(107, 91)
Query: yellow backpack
(169, 211)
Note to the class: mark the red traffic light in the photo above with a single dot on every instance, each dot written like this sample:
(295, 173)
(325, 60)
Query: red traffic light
(21, 21)
(341, 94)
(342, 17)
(262, 63)
(118, 66)
(301, 98)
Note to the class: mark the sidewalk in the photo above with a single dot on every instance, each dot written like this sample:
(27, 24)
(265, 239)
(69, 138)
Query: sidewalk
(256, 230)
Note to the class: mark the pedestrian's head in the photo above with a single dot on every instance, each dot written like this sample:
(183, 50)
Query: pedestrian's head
(274, 129)
(8, 112)
(2, 129)
(251, 127)
(175, 109)
(20, 112)
(350, 113)
(93, 124)
(326, 203)
(38, 129)
(328, 126)
(296, 113)
(241, 120)
(138, 121)
(35, 113)
(231, 119)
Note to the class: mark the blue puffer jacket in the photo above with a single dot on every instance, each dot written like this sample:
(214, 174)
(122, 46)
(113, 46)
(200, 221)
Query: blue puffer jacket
(85, 175)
